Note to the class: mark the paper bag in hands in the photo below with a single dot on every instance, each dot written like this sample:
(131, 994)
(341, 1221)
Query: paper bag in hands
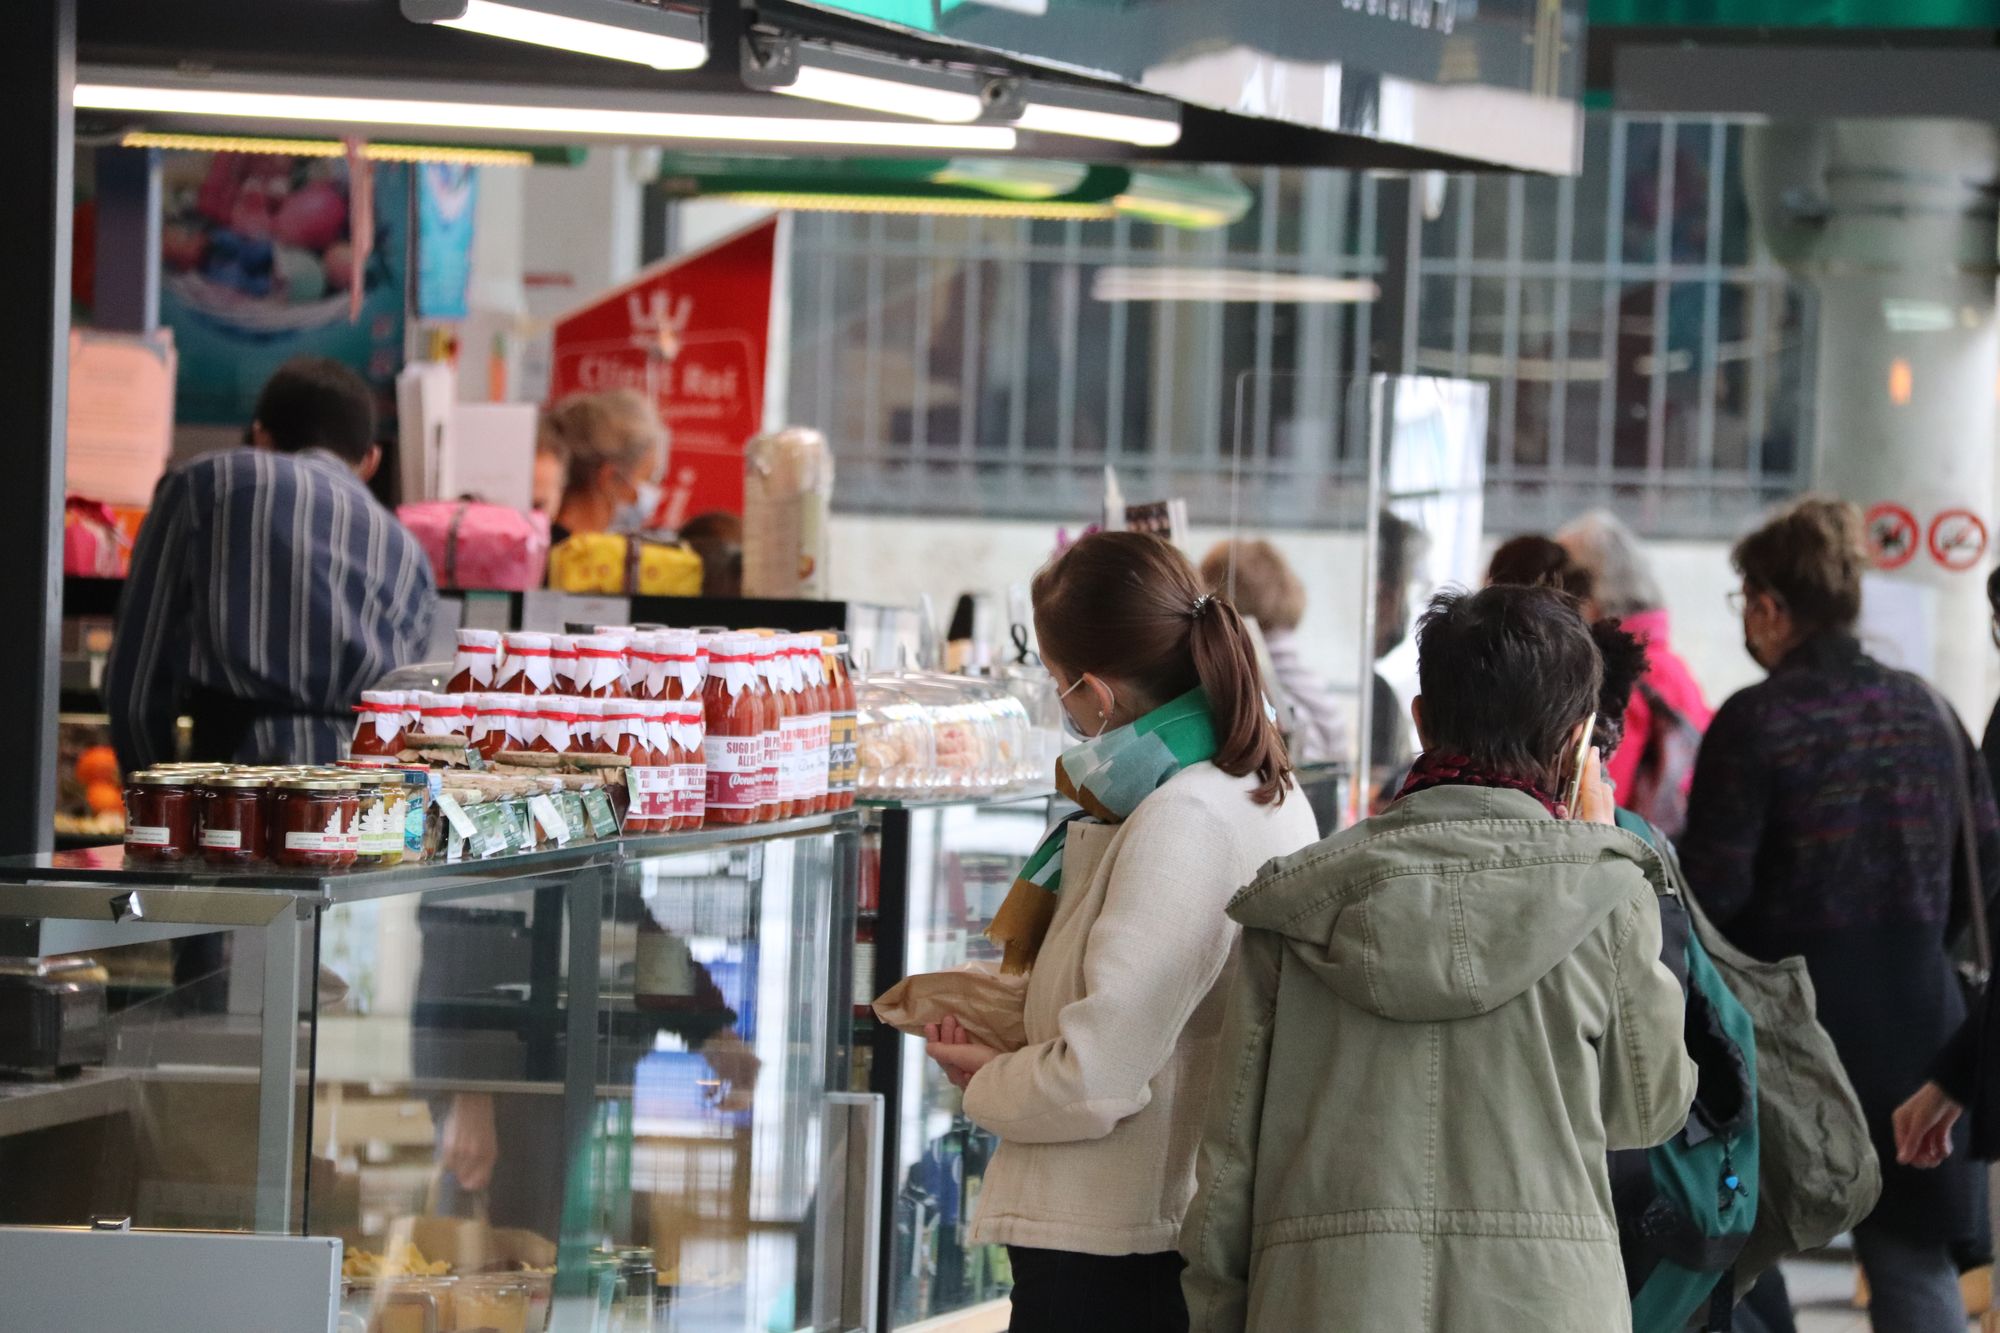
(987, 1004)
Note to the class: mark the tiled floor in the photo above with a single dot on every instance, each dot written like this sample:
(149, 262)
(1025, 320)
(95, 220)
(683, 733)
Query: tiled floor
(1823, 1297)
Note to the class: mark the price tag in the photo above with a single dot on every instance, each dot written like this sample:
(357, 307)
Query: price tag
(603, 819)
(455, 815)
(550, 819)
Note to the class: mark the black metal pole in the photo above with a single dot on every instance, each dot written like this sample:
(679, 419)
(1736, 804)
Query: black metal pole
(892, 925)
(38, 68)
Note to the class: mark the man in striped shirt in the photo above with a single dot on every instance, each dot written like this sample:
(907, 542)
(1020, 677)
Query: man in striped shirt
(268, 587)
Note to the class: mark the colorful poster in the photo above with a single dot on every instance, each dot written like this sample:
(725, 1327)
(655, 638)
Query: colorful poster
(447, 193)
(692, 334)
(261, 262)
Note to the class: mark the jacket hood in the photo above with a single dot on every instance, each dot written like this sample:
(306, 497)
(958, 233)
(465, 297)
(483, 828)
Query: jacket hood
(1450, 905)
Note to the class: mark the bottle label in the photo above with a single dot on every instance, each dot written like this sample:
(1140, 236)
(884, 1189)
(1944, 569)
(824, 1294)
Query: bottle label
(688, 785)
(321, 842)
(652, 792)
(864, 974)
(223, 839)
(819, 756)
(735, 771)
(843, 763)
(147, 835)
(795, 753)
(774, 747)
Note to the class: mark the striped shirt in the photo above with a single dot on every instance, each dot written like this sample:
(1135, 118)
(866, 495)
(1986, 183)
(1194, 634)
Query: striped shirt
(275, 583)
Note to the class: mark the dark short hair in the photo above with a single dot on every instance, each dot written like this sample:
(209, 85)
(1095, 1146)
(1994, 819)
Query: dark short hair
(314, 402)
(1506, 674)
(1624, 657)
(1539, 562)
(1811, 557)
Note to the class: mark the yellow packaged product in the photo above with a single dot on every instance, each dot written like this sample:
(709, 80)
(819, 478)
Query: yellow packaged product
(589, 562)
(668, 571)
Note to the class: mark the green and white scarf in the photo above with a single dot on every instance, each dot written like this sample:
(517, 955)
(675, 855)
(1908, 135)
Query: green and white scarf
(1107, 776)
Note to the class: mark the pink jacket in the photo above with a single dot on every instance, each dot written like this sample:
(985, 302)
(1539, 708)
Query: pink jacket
(1669, 678)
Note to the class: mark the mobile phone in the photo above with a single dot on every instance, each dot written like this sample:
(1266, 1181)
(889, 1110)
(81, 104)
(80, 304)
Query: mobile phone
(1573, 789)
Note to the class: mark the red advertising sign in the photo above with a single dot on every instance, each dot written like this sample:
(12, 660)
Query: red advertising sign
(1958, 539)
(693, 335)
(1892, 536)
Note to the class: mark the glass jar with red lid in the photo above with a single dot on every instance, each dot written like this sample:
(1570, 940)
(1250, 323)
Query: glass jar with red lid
(527, 666)
(476, 665)
(600, 667)
(734, 706)
(162, 815)
(379, 723)
(232, 818)
(314, 822)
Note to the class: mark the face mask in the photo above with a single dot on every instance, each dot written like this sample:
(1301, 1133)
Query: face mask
(1076, 732)
(636, 515)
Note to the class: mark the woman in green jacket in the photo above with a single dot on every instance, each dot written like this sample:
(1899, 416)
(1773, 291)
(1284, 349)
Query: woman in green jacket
(1442, 1019)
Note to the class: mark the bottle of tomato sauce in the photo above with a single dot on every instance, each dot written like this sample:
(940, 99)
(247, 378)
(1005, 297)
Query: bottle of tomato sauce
(735, 711)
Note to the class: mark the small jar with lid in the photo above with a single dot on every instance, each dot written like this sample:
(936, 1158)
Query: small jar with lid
(557, 732)
(563, 663)
(492, 719)
(528, 667)
(600, 667)
(162, 815)
(733, 737)
(476, 665)
(232, 817)
(686, 758)
(378, 728)
(587, 731)
(314, 822)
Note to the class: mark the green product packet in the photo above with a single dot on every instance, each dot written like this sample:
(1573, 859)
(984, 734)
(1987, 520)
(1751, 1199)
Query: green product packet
(491, 821)
(573, 813)
(603, 819)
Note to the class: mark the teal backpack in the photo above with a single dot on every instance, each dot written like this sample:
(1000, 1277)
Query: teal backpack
(1685, 1208)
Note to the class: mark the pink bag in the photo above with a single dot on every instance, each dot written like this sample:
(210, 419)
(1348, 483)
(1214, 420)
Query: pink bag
(481, 546)
(93, 544)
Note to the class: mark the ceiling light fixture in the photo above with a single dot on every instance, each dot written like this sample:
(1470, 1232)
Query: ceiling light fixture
(1228, 284)
(612, 29)
(1145, 123)
(917, 206)
(866, 92)
(840, 77)
(374, 152)
(508, 118)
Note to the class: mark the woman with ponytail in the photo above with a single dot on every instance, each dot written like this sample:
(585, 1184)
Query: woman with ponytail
(1118, 921)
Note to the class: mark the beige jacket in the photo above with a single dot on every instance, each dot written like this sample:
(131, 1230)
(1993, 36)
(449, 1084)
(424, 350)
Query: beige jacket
(1442, 1019)
(1099, 1115)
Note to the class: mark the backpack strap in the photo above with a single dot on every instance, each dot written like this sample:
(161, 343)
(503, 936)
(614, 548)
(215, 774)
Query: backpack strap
(1721, 1305)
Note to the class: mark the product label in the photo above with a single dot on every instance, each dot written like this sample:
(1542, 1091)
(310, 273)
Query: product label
(454, 813)
(794, 753)
(774, 757)
(147, 835)
(843, 761)
(735, 771)
(519, 824)
(223, 839)
(864, 973)
(321, 842)
(490, 836)
(688, 786)
(652, 793)
(550, 819)
(603, 819)
(818, 755)
(574, 815)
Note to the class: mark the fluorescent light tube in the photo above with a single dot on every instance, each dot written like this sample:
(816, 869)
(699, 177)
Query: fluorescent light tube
(895, 97)
(1143, 131)
(612, 39)
(548, 120)
(1224, 285)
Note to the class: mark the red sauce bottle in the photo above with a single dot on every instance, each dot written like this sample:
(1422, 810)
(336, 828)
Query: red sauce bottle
(563, 664)
(689, 781)
(492, 724)
(378, 728)
(528, 667)
(733, 716)
(843, 758)
(600, 667)
(476, 666)
(645, 780)
(812, 673)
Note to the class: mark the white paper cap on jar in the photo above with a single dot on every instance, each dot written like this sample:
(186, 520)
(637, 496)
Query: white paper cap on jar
(527, 638)
(484, 638)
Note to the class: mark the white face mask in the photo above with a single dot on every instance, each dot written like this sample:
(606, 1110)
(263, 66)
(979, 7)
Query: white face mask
(1069, 723)
(636, 515)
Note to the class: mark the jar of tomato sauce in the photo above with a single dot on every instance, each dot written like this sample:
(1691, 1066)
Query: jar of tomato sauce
(600, 667)
(843, 757)
(563, 659)
(557, 733)
(314, 822)
(162, 815)
(476, 665)
(586, 732)
(232, 818)
(687, 764)
(527, 666)
(378, 727)
(813, 782)
(637, 739)
(734, 709)
(686, 665)
(765, 665)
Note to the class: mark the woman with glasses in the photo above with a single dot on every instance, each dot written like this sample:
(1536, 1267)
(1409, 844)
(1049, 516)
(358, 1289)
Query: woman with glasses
(1821, 825)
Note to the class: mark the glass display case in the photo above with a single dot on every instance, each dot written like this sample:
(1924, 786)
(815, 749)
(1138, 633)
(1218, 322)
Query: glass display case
(933, 875)
(589, 1089)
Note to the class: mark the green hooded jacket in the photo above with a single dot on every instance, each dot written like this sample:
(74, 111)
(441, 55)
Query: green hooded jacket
(1441, 1020)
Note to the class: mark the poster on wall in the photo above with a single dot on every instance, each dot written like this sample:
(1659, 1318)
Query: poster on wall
(447, 193)
(692, 334)
(262, 262)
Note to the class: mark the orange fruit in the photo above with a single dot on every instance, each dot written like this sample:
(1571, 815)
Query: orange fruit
(97, 764)
(104, 797)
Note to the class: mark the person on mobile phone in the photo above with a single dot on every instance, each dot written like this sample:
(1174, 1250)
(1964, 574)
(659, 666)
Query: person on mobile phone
(1442, 1019)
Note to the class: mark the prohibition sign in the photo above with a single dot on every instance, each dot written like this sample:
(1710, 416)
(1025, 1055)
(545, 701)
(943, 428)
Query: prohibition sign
(1958, 539)
(1892, 536)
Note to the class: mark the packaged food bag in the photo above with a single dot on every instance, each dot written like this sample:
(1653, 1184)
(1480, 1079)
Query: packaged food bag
(480, 546)
(989, 1004)
(606, 564)
(94, 545)
(667, 571)
(787, 492)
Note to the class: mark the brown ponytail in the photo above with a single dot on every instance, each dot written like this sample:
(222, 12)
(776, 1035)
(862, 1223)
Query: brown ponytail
(1130, 606)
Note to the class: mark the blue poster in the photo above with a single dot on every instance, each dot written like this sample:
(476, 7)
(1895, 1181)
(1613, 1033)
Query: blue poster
(260, 263)
(446, 193)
